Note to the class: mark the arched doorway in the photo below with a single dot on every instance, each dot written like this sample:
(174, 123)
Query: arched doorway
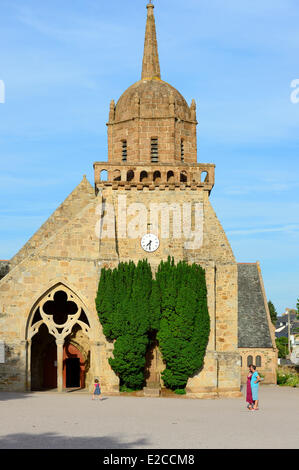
(73, 367)
(58, 335)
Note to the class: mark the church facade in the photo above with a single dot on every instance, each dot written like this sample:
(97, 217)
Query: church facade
(149, 200)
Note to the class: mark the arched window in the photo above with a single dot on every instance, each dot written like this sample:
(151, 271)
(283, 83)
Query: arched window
(182, 150)
(143, 176)
(116, 175)
(124, 150)
(170, 177)
(154, 150)
(104, 175)
(130, 175)
(157, 176)
(241, 361)
(258, 361)
(183, 177)
(204, 177)
(249, 360)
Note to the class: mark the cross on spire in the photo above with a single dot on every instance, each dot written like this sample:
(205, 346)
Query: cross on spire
(150, 64)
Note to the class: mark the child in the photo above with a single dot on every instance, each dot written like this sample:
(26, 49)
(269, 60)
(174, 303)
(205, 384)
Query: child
(97, 389)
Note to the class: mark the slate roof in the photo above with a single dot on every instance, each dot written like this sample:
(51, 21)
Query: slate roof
(4, 268)
(284, 331)
(253, 328)
(285, 318)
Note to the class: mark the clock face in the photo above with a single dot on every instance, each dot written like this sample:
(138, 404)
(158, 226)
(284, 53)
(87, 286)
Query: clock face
(150, 242)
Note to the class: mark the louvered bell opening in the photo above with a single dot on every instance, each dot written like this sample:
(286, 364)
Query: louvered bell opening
(124, 151)
(154, 151)
(182, 151)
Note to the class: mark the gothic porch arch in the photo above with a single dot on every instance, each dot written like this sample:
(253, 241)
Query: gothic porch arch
(60, 309)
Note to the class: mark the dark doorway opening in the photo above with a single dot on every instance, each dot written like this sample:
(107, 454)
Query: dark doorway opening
(43, 360)
(72, 372)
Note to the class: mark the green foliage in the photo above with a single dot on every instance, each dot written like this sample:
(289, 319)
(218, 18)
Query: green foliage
(273, 312)
(122, 305)
(180, 391)
(184, 324)
(282, 346)
(123, 388)
(131, 306)
(129, 360)
(287, 378)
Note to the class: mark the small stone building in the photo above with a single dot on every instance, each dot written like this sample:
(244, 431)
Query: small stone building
(151, 188)
(256, 333)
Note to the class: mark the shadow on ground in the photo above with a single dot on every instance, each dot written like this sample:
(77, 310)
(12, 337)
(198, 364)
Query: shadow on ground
(20, 395)
(56, 441)
(14, 395)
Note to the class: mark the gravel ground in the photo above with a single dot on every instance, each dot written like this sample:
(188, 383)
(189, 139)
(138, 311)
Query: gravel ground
(51, 420)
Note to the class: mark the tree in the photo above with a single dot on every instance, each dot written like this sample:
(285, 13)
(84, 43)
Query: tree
(273, 312)
(132, 307)
(282, 346)
(297, 306)
(185, 324)
(122, 305)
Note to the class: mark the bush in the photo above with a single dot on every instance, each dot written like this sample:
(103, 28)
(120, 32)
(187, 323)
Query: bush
(184, 323)
(281, 378)
(123, 388)
(180, 391)
(288, 378)
(132, 307)
(122, 305)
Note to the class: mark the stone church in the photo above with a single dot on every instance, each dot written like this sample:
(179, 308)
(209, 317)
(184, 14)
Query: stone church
(149, 200)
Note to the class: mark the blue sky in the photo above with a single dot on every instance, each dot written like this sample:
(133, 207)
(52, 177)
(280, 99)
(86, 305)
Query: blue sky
(62, 63)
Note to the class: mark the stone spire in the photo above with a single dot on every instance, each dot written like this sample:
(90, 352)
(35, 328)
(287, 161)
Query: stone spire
(150, 65)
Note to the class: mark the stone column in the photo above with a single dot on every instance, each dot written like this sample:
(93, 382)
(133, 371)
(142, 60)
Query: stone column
(28, 365)
(60, 343)
(95, 362)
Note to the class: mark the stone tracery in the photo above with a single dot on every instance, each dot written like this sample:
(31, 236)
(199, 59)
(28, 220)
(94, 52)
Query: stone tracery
(60, 311)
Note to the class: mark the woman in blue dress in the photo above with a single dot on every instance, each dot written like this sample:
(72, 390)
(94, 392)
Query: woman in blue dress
(255, 380)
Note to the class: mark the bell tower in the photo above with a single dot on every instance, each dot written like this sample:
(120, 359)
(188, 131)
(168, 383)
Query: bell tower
(152, 131)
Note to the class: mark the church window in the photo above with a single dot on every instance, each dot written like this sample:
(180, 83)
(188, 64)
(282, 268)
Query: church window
(104, 175)
(183, 177)
(157, 176)
(116, 175)
(154, 150)
(204, 177)
(170, 177)
(249, 360)
(182, 150)
(258, 361)
(130, 175)
(124, 151)
(143, 176)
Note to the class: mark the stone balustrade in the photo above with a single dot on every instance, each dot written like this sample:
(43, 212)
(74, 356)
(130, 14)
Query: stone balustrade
(198, 175)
